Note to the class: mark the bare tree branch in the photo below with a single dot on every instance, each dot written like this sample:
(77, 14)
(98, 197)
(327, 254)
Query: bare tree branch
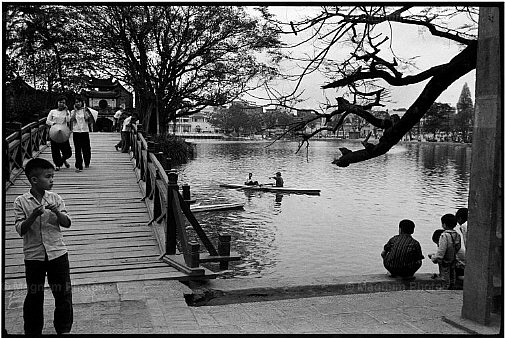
(457, 67)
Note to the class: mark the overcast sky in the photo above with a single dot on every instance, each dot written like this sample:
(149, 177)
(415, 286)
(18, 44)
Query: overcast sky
(409, 41)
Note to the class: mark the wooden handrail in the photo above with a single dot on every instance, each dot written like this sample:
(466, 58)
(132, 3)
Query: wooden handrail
(25, 143)
(170, 210)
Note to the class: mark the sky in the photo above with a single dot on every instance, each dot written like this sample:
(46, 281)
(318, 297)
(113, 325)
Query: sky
(407, 42)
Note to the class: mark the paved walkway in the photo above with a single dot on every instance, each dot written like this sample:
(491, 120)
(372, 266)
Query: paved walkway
(158, 306)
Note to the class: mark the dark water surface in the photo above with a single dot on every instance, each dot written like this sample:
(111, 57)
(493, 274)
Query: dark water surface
(342, 231)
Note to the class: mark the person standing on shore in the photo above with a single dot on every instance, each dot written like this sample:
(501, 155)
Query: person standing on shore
(60, 152)
(462, 218)
(448, 246)
(80, 119)
(460, 228)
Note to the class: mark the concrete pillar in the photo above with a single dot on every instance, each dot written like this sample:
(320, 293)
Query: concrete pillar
(485, 204)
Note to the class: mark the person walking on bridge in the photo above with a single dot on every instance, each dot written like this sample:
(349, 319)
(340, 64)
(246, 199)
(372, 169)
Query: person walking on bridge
(60, 151)
(80, 118)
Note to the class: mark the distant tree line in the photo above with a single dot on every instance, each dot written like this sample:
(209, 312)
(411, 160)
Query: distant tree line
(440, 118)
(242, 119)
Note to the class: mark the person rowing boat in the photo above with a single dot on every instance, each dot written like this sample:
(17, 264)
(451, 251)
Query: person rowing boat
(279, 182)
(249, 180)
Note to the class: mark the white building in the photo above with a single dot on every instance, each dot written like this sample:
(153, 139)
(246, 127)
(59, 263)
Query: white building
(195, 124)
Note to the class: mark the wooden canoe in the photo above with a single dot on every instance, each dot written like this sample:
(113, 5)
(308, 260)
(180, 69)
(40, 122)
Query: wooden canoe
(271, 188)
(216, 207)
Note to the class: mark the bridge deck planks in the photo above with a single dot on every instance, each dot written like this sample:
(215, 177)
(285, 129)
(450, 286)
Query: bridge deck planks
(109, 240)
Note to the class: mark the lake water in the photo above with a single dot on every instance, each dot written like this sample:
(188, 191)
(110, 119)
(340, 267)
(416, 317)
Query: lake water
(342, 231)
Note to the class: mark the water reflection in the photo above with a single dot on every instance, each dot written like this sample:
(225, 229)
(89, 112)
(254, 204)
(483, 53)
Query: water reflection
(340, 232)
(278, 201)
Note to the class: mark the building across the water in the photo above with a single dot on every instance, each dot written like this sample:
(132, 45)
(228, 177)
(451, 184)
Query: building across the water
(196, 125)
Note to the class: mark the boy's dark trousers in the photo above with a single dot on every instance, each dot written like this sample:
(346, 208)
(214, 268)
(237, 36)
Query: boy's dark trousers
(82, 149)
(448, 274)
(60, 152)
(58, 276)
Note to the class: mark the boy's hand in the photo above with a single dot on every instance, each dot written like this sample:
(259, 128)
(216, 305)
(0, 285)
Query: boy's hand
(37, 211)
(53, 208)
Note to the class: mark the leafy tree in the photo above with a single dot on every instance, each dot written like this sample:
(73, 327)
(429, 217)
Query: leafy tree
(237, 118)
(43, 44)
(229, 119)
(464, 118)
(372, 67)
(179, 59)
(276, 118)
(437, 118)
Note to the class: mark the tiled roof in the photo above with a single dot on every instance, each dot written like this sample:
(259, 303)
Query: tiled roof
(95, 82)
(103, 94)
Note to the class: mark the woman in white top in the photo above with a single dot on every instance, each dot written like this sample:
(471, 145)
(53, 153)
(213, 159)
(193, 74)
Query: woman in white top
(60, 151)
(80, 118)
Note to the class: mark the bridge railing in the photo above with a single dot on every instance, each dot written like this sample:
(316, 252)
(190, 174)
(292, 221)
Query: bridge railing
(169, 211)
(25, 143)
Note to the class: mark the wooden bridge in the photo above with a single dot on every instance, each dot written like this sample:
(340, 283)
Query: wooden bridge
(127, 220)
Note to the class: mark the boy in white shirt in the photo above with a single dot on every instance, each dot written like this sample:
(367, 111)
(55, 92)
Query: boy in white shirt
(39, 216)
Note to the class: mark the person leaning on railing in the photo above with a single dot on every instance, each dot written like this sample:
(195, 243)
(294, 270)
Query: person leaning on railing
(60, 151)
(124, 143)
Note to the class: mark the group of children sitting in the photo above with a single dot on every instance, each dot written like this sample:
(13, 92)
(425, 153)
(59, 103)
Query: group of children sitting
(402, 255)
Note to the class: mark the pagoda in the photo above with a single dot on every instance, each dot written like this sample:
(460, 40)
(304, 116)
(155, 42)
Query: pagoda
(106, 93)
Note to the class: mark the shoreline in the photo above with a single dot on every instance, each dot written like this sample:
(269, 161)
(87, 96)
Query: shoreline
(192, 140)
(232, 291)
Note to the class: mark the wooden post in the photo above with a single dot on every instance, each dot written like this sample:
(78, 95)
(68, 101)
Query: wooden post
(29, 145)
(186, 192)
(150, 146)
(194, 257)
(156, 195)
(171, 231)
(36, 139)
(223, 249)
(147, 175)
(484, 251)
(19, 155)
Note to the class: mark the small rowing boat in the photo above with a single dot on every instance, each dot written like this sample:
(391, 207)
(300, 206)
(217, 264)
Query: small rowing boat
(216, 207)
(271, 188)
